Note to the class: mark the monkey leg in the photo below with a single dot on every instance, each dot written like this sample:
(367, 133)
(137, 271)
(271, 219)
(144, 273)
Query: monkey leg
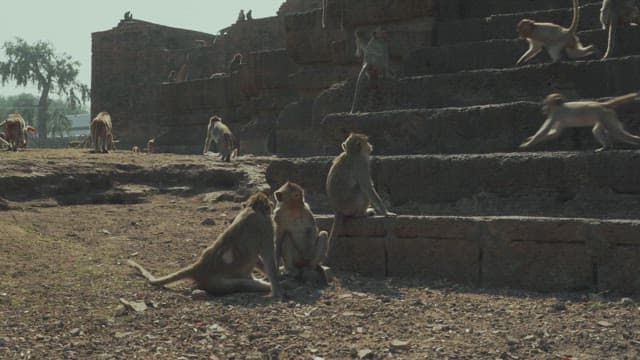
(529, 54)
(600, 134)
(357, 89)
(321, 249)
(620, 134)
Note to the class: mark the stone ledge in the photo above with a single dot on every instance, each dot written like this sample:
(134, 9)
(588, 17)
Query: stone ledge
(529, 253)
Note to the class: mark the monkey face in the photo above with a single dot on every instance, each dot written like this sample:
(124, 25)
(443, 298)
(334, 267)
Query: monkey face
(525, 28)
(289, 193)
(551, 101)
(357, 143)
(260, 203)
(215, 118)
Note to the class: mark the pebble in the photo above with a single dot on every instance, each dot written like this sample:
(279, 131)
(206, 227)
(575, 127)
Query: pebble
(399, 345)
(208, 222)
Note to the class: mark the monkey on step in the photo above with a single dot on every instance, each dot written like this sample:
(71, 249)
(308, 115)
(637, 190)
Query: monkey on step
(554, 38)
(226, 266)
(598, 115)
(375, 60)
(615, 13)
(349, 185)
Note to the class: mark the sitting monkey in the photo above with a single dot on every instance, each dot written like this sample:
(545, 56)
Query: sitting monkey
(298, 242)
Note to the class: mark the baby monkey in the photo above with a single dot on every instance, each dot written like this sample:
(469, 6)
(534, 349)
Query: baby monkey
(598, 115)
(298, 242)
(555, 38)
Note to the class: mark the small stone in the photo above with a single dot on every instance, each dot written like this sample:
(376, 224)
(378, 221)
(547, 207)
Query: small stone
(106, 232)
(511, 340)
(120, 335)
(365, 354)
(75, 332)
(3, 341)
(137, 306)
(399, 345)
(203, 208)
(604, 323)
(198, 294)
(318, 358)
(626, 301)
(208, 222)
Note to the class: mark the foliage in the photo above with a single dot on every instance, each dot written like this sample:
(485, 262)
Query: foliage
(52, 73)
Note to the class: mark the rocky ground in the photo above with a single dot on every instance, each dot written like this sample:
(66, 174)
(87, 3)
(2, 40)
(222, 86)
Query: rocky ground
(66, 292)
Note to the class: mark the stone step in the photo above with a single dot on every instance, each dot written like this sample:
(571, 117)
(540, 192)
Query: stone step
(503, 26)
(476, 129)
(562, 184)
(575, 79)
(529, 253)
(503, 53)
(477, 9)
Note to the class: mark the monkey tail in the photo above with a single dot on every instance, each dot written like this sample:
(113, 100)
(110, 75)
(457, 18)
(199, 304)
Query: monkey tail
(576, 17)
(610, 41)
(336, 227)
(178, 275)
(324, 14)
(357, 90)
(621, 100)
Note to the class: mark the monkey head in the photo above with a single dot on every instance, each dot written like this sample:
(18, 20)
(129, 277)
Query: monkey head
(290, 194)
(551, 101)
(215, 118)
(259, 202)
(357, 144)
(525, 28)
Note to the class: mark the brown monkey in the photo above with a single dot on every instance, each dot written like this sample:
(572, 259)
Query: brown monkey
(598, 115)
(226, 265)
(150, 145)
(249, 15)
(298, 242)
(235, 63)
(219, 133)
(554, 38)
(183, 73)
(375, 60)
(135, 149)
(101, 132)
(349, 185)
(615, 13)
(15, 131)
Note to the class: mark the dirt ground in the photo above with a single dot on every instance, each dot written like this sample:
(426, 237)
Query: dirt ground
(63, 276)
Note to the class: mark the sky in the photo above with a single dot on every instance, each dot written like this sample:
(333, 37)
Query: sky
(68, 24)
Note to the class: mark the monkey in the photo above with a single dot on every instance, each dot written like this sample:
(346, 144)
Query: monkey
(220, 133)
(554, 38)
(226, 265)
(235, 63)
(614, 13)
(15, 131)
(135, 149)
(375, 54)
(599, 115)
(172, 76)
(128, 16)
(349, 185)
(249, 15)
(183, 73)
(101, 132)
(241, 17)
(298, 242)
(152, 142)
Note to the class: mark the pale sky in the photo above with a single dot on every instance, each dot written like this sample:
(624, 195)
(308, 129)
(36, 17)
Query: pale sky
(68, 24)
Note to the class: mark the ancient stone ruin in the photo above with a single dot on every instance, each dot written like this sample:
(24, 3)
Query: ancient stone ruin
(445, 132)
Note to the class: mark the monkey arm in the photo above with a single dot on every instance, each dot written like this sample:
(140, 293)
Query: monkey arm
(366, 184)
(537, 137)
(534, 49)
(207, 142)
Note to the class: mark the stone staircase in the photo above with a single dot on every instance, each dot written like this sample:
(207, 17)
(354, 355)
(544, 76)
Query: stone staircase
(475, 209)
